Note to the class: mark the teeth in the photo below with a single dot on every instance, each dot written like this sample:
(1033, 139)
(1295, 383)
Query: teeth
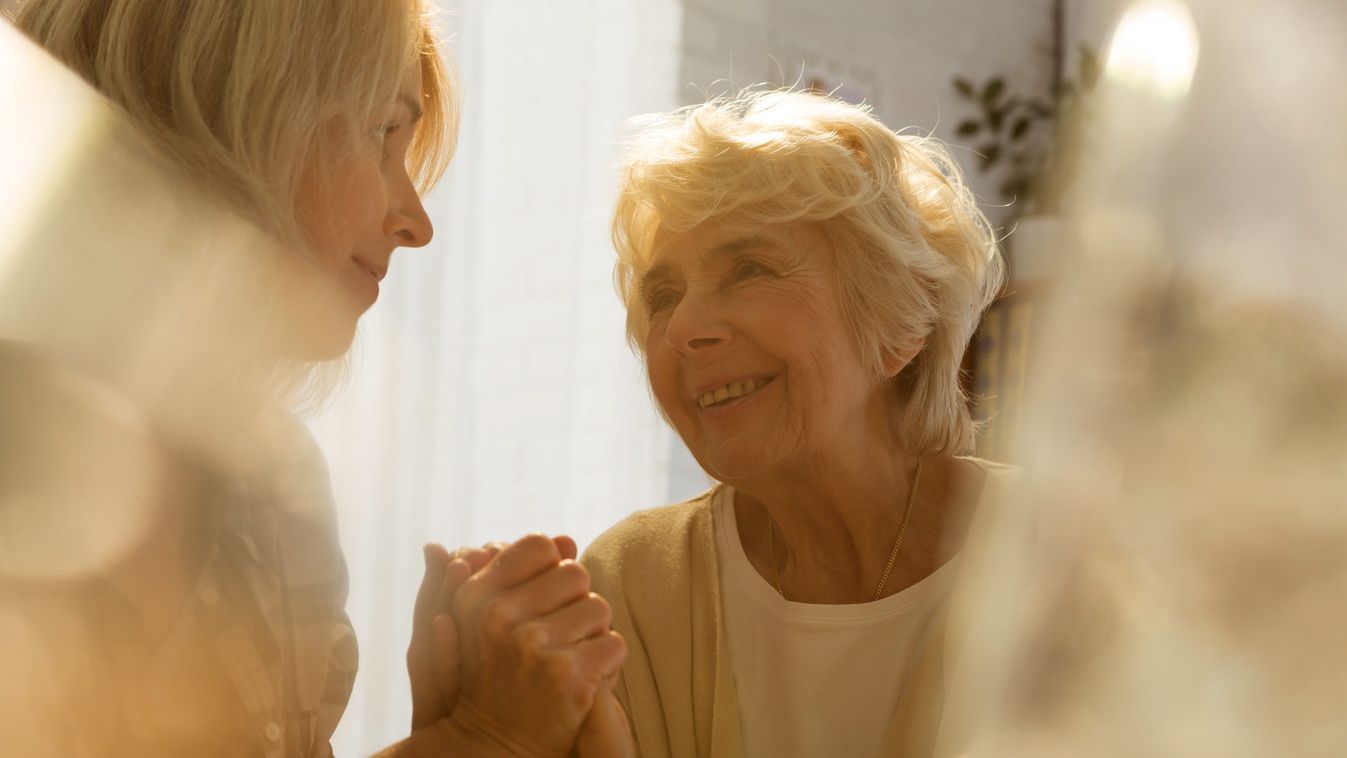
(732, 390)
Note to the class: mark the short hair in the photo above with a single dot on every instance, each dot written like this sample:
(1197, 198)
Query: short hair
(916, 258)
(248, 95)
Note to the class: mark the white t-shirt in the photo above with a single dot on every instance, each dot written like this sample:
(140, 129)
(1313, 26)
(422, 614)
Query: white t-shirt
(816, 680)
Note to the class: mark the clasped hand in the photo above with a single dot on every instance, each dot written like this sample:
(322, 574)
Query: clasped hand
(512, 649)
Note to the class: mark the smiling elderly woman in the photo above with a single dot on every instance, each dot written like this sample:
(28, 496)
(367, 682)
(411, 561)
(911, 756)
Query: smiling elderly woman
(802, 283)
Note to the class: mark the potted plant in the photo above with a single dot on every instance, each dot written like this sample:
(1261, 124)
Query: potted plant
(1034, 145)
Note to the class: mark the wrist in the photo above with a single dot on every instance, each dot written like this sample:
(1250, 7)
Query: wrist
(469, 733)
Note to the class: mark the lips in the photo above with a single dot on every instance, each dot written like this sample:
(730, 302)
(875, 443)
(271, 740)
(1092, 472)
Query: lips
(376, 271)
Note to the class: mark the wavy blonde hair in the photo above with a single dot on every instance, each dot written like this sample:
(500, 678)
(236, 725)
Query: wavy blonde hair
(247, 95)
(917, 260)
(257, 99)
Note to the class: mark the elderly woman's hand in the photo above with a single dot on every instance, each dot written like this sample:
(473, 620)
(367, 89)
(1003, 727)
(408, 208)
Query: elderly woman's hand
(537, 653)
(607, 731)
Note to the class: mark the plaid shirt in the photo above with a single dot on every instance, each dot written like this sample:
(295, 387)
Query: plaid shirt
(272, 599)
(269, 603)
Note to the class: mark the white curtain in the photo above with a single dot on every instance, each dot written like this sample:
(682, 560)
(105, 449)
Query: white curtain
(492, 393)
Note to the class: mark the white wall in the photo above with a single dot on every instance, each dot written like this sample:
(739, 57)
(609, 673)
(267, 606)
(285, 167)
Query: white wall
(900, 56)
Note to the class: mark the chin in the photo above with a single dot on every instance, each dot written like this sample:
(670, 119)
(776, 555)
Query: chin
(328, 346)
(731, 465)
(321, 338)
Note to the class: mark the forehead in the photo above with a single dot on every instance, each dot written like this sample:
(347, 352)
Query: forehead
(710, 243)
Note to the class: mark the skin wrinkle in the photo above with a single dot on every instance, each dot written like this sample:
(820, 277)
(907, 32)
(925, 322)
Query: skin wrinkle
(815, 451)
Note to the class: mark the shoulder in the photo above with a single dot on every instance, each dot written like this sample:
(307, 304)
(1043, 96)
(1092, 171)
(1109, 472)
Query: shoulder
(990, 480)
(652, 541)
(992, 470)
(293, 472)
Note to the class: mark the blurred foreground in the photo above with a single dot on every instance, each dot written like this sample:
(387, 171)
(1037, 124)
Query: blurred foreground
(1186, 431)
(1186, 425)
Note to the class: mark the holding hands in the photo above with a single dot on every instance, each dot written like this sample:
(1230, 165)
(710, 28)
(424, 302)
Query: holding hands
(513, 655)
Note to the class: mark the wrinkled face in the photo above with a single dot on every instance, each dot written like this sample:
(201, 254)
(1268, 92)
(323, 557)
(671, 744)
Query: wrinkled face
(353, 217)
(748, 351)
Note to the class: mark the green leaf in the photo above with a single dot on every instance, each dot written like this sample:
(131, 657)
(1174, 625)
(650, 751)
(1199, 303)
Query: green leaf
(1020, 128)
(993, 89)
(968, 128)
(964, 86)
(995, 117)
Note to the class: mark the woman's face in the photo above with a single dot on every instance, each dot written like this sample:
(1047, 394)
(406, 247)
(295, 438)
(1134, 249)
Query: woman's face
(353, 216)
(748, 351)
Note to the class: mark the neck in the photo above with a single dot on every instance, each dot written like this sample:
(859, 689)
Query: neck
(830, 537)
(834, 523)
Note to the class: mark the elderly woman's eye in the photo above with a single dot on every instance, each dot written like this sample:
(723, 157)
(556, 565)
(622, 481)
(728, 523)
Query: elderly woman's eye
(746, 269)
(661, 300)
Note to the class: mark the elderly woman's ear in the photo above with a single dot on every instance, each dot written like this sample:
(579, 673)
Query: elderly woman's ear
(897, 358)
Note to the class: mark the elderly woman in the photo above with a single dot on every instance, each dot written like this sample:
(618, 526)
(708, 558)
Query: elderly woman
(802, 283)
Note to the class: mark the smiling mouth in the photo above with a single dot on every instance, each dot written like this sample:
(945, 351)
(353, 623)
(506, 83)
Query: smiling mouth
(376, 273)
(731, 391)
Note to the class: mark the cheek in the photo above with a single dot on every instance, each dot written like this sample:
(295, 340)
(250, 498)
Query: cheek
(348, 210)
(662, 370)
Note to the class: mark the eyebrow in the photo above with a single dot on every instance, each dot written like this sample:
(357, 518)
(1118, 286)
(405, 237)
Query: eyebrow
(412, 106)
(664, 271)
(739, 245)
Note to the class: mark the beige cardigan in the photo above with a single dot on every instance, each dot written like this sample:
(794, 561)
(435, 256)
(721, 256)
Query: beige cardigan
(658, 570)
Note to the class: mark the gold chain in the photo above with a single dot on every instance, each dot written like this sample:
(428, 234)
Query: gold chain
(893, 554)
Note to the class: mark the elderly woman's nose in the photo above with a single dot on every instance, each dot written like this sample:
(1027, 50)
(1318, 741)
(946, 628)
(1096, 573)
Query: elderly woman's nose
(696, 324)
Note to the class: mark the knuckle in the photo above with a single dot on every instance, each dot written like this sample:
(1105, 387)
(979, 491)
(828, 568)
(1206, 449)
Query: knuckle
(532, 544)
(561, 668)
(574, 575)
(532, 638)
(599, 609)
(615, 647)
(498, 617)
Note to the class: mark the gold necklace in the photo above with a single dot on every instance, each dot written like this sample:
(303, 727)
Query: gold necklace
(893, 554)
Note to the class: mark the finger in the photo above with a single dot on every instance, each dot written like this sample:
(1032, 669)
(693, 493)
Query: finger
(606, 732)
(426, 700)
(495, 548)
(455, 574)
(550, 591)
(601, 655)
(529, 556)
(566, 546)
(579, 620)
(477, 557)
(501, 615)
(446, 662)
(436, 559)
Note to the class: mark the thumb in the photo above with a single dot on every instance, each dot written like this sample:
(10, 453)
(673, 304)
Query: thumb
(606, 732)
(446, 659)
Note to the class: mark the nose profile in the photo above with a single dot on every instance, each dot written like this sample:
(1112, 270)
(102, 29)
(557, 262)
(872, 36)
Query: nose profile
(407, 223)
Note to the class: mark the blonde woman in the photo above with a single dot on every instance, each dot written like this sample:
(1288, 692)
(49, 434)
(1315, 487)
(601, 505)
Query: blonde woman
(802, 283)
(220, 628)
